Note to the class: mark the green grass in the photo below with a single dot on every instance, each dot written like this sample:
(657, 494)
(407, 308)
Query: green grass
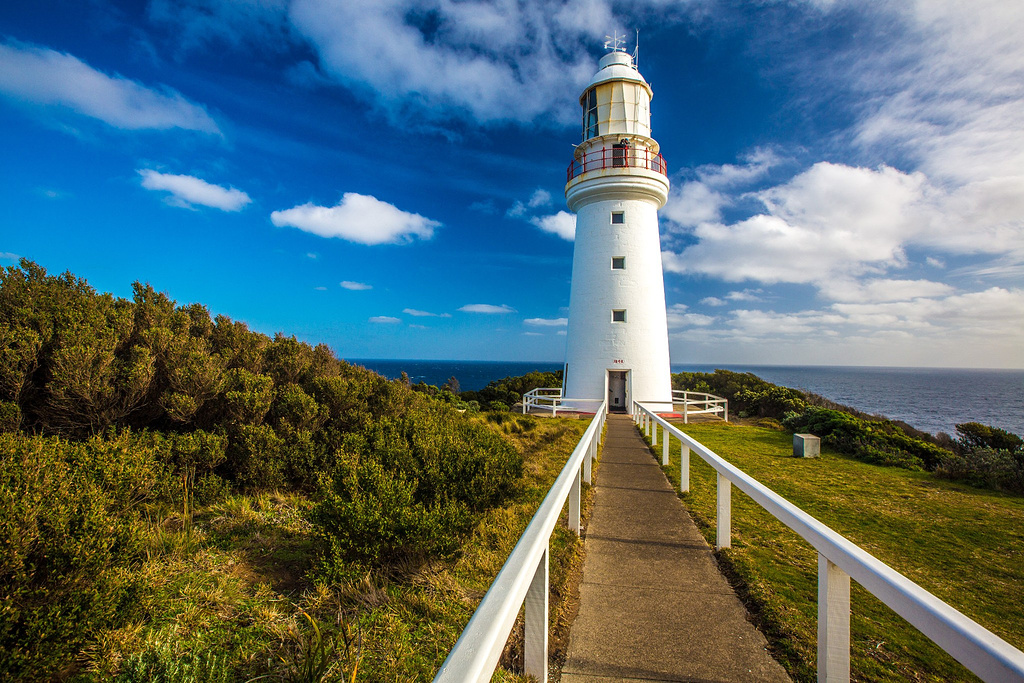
(235, 588)
(964, 545)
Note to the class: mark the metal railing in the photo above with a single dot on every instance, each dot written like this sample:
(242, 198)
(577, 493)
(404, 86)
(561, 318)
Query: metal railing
(616, 157)
(524, 578)
(977, 648)
(707, 404)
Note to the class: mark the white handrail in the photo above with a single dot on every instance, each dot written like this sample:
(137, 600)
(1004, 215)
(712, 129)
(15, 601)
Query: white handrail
(524, 577)
(542, 397)
(711, 404)
(984, 653)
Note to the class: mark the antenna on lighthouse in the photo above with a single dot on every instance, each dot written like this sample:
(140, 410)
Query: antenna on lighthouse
(636, 52)
(615, 42)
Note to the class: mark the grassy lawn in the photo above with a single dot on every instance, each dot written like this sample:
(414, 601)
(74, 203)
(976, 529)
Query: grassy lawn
(964, 545)
(230, 599)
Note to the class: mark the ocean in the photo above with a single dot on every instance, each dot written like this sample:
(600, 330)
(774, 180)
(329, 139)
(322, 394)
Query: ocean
(930, 399)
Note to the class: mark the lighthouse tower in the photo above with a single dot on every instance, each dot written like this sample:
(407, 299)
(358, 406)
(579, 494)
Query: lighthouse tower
(617, 343)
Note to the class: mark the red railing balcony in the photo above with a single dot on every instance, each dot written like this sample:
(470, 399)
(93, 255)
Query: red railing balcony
(616, 157)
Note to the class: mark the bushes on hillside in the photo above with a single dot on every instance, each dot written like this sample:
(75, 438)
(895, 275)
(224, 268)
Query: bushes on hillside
(981, 455)
(411, 486)
(502, 393)
(986, 456)
(69, 533)
(748, 394)
(140, 406)
(875, 441)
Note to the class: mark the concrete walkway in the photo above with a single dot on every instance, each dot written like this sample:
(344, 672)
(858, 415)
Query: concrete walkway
(653, 605)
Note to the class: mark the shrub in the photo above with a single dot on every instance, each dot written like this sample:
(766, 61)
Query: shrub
(877, 442)
(411, 486)
(66, 545)
(974, 435)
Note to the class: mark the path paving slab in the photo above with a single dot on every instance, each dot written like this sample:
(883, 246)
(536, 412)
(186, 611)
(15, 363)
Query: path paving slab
(653, 605)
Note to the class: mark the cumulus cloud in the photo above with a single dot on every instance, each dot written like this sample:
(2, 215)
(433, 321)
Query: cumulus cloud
(385, 320)
(487, 308)
(831, 220)
(355, 286)
(547, 322)
(41, 76)
(188, 191)
(562, 224)
(358, 218)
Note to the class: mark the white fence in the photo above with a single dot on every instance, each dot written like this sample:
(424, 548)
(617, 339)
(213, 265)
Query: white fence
(980, 650)
(543, 398)
(699, 403)
(524, 578)
(551, 399)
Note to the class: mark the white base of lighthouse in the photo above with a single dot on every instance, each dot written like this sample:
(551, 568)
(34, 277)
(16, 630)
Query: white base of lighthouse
(617, 339)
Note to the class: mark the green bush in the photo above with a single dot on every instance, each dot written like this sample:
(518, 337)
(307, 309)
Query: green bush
(411, 486)
(67, 543)
(974, 435)
(875, 441)
(748, 394)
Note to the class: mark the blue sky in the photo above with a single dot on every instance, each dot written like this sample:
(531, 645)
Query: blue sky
(387, 177)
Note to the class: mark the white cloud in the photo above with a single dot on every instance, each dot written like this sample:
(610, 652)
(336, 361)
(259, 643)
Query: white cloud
(425, 314)
(188, 191)
(562, 224)
(539, 198)
(320, 289)
(692, 203)
(882, 289)
(40, 76)
(472, 63)
(943, 330)
(487, 308)
(547, 322)
(949, 93)
(713, 301)
(385, 320)
(829, 221)
(679, 316)
(358, 218)
(355, 286)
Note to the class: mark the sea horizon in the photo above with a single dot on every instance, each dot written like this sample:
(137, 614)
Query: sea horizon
(931, 399)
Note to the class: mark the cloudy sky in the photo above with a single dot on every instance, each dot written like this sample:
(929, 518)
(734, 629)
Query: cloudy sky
(387, 176)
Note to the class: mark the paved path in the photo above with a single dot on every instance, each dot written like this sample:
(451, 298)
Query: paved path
(653, 605)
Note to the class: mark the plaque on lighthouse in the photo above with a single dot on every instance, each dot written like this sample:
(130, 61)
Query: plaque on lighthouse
(617, 340)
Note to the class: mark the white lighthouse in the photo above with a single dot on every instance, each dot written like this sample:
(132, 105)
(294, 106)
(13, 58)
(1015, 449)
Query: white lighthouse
(617, 343)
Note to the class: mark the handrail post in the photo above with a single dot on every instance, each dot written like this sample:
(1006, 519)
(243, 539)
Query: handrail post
(833, 622)
(574, 502)
(684, 467)
(654, 432)
(535, 628)
(686, 405)
(588, 462)
(726, 410)
(664, 447)
(724, 521)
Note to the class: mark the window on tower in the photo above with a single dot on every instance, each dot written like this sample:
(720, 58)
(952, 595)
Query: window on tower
(590, 115)
(618, 217)
(618, 262)
(619, 315)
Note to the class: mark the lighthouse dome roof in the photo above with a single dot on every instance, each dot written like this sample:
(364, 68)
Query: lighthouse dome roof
(616, 66)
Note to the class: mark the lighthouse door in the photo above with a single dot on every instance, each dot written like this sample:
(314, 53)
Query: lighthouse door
(617, 391)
